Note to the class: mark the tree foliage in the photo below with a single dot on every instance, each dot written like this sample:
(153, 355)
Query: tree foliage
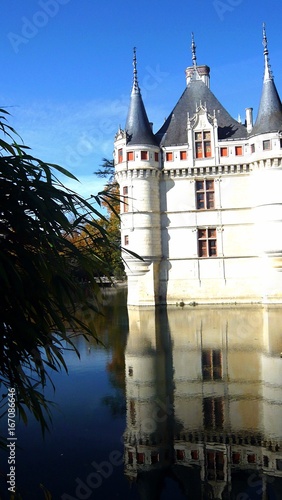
(107, 171)
(41, 293)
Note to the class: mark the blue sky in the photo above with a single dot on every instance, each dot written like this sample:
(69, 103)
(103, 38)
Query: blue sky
(67, 67)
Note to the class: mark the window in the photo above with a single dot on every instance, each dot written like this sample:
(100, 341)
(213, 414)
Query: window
(251, 458)
(180, 454)
(169, 156)
(154, 457)
(130, 371)
(130, 155)
(126, 240)
(211, 364)
(130, 457)
(132, 412)
(205, 194)
(183, 155)
(156, 156)
(213, 413)
(236, 458)
(253, 148)
(203, 144)
(140, 458)
(223, 151)
(238, 150)
(125, 199)
(194, 454)
(144, 155)
(278, 463)
(207, 242)
(120, 156)
(266, 145)
(215, 465)
(265, 461)
(280, 143)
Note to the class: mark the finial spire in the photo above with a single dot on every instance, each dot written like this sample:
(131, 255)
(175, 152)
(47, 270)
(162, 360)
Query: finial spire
(267, 69)
(193, 47)
(135, 78)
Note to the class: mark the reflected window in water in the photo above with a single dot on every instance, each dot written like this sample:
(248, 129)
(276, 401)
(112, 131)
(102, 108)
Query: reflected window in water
(132, 410)
(212, 364)
(140, 458)
(215, 465)
(213, 409)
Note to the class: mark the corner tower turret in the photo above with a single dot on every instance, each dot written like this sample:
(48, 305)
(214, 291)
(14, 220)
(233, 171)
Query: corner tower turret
(137, 166)
(269, 118)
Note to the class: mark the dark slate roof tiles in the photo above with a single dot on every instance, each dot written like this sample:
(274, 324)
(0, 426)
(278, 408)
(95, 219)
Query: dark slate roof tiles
(138, 128)
(174, 130)
(269, 118)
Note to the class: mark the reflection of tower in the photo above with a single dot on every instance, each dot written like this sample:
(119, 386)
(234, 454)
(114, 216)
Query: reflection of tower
(149, 405)
(222, 437)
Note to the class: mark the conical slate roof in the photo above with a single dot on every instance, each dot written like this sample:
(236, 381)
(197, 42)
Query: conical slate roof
(174, 130)
(269, 118)
(138, 128)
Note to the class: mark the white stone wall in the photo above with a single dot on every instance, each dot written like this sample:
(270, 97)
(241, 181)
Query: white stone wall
(162, 222)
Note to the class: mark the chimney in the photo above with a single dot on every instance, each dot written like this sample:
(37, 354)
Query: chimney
(203, 73)
(249, 119)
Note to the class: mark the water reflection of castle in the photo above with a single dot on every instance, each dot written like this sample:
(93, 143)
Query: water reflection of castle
(204, 402)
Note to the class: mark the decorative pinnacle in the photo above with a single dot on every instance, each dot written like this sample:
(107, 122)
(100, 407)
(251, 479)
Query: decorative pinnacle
(267, 73)
(135, 78)
(264, 41)
(193, 47)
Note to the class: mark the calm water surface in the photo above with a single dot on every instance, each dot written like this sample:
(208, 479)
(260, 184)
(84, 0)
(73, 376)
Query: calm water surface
(177, 404)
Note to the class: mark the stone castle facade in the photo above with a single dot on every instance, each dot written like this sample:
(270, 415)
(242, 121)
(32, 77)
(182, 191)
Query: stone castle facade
(201, 198)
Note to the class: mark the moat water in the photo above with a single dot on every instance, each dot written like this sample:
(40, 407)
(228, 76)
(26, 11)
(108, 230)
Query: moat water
(178, 403)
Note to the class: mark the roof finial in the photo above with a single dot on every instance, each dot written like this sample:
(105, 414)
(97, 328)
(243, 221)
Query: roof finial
(267, 69)
(193, 47)
(135, 79)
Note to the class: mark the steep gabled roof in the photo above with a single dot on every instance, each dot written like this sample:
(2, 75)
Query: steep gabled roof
(138, 128)
(174, 130)
(269, 118)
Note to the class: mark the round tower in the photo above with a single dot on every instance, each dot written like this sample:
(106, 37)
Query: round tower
(265, 143)
(137, 167)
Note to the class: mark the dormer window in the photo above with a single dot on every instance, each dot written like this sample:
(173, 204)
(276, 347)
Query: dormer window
(203, 144)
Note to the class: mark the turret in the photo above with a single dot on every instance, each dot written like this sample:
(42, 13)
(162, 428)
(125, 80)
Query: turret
(269, 118)
(266, 158)
(137, 165)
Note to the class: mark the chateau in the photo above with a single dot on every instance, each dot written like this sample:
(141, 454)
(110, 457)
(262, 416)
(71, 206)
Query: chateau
(201, 197)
